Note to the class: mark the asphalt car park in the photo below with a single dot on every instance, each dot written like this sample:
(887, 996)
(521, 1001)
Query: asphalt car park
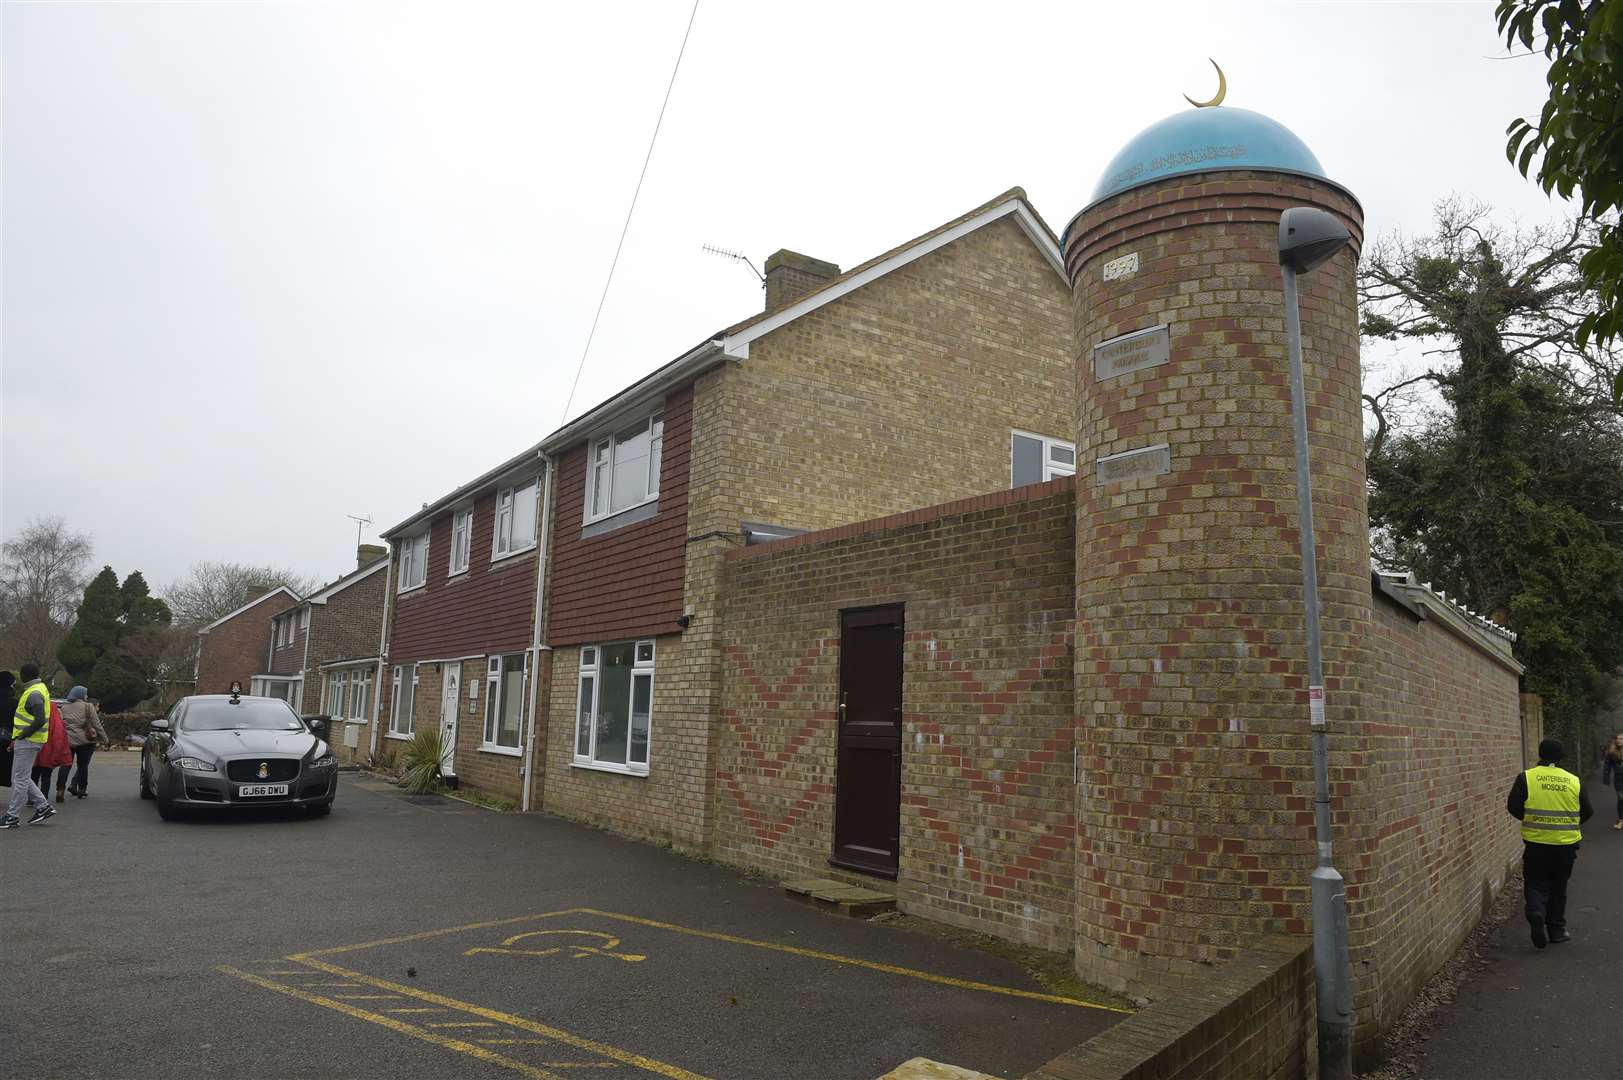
(423, 937)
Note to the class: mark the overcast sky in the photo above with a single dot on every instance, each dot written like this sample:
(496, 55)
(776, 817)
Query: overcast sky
(268, 265)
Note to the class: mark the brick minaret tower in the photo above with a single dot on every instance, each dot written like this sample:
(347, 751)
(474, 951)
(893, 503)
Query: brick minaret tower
(1194, 805)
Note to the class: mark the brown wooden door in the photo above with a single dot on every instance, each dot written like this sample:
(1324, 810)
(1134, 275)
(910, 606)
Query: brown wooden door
(868, 770)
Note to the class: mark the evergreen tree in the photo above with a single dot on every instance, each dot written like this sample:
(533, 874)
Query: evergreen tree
(97, 628)
(139, 606)
(116, 685)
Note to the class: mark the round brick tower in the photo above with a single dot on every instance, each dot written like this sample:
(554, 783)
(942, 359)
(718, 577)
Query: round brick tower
(1194, 802)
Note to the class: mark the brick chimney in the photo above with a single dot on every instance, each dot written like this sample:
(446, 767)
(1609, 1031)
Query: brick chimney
(791, 275)
(367, 554)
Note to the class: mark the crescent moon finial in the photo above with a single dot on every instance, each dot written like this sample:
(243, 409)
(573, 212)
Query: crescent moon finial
(1222, 91)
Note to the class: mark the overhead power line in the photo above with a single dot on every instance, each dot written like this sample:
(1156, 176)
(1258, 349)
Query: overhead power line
(629, 211)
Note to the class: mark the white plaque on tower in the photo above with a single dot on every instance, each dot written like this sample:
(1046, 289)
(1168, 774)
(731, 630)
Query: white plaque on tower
(1133, 464)
(1141, 349)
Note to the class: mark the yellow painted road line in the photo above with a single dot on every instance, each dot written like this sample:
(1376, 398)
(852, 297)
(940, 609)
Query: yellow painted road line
(535, 1072)
(511, 1042)
(415, 1010)
(815, 954)
(462, 1023)
(646, 1064)
(435, 933)
(349, 984)
(836, 958)
(366, 997)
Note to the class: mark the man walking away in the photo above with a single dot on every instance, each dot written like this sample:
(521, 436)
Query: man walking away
(29, 729)
(1550, 803)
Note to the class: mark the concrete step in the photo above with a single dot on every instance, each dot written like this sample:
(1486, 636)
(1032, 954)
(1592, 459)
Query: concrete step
(839, 896)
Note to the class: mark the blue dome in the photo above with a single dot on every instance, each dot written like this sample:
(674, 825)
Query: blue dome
(1201, 140)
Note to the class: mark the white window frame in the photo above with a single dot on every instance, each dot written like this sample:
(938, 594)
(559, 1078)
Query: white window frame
(496, 669)
(591, 667)
(338, 694)
(416, 565)
(1051, 468)
(259, 686)
(605, 443)
(395, 731)
(461, 541)
(506, 502)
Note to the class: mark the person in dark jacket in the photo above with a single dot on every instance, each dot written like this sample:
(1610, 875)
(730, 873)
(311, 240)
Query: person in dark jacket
(1611, 772)
(1551, 805)
(8, 705)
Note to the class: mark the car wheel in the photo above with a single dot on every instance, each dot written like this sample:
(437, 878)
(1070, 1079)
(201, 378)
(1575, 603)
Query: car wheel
(321, 809)
(168, 810)
(146, 791)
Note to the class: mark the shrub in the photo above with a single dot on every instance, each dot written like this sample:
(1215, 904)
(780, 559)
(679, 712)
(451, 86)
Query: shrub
(422, 759)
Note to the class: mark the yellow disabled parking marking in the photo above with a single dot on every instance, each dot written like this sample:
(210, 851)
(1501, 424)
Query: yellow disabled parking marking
(711, 935)
(481, 1052)
(647, 1064)
(609, 944)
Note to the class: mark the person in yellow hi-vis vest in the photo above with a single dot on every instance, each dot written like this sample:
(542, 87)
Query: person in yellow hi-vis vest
(1551, 805)
(26, 732)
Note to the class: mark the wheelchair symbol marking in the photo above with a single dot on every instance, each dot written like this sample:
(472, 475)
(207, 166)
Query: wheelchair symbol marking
(604, 946)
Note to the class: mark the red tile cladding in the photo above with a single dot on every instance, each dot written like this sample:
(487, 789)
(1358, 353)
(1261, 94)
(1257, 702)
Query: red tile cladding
(627, 582)
(487, 609)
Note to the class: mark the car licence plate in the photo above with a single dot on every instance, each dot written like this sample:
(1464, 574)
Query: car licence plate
(248, 791)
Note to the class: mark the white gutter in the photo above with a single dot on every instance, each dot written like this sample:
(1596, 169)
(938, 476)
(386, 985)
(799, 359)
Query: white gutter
(537, 645)
(383, 648)
(304, 665)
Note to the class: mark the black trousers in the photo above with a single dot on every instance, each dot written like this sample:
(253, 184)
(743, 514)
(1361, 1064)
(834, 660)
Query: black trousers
(81, 779)
(1545, 870)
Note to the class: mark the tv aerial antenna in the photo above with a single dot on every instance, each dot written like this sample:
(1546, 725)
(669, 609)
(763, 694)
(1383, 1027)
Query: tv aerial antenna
(360, 523)
(735, 256)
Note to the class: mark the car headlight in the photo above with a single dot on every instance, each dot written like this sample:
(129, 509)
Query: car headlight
(325, 761)
(192, 764)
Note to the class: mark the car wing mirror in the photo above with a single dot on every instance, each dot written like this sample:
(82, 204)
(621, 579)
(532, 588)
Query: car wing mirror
(317, 725)
(159, 725)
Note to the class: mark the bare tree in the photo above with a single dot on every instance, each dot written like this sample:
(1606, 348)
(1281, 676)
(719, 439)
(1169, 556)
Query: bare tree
(42, 573)
(211, 590)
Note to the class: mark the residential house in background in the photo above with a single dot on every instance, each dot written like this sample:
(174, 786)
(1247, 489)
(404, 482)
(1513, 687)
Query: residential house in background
(238, 646)
(459, 648)
(939, 370)
(282, 675)
(342, 644)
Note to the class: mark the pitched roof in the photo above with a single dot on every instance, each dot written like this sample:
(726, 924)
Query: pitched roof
(1013, 202)
(260, 599)
(337, 585)
(733, 341)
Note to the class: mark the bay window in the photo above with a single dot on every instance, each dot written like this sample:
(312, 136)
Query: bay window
(623, 468)
(615, 706)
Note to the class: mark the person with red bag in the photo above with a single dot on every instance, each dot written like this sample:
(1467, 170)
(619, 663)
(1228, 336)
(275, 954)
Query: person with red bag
(57, 753)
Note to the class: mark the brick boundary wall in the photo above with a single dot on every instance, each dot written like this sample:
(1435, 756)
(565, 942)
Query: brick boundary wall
(1251, 1019)
(986, 821)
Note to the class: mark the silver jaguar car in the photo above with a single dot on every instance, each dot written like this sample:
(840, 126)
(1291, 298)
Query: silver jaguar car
(219, 751)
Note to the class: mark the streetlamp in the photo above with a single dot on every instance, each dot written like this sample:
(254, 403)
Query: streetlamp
(1307, 238)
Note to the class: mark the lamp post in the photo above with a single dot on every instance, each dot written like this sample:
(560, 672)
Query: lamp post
(1307, 238)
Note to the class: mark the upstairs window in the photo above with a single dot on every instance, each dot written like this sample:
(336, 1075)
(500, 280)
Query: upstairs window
(623, 468)
(1035, 458)
(461, 540)
(413, 561)
(515, 520)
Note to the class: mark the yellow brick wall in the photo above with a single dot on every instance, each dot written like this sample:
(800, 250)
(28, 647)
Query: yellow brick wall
(901, 394)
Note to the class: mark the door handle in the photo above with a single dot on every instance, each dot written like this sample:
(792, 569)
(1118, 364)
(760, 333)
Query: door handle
(843, 696)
